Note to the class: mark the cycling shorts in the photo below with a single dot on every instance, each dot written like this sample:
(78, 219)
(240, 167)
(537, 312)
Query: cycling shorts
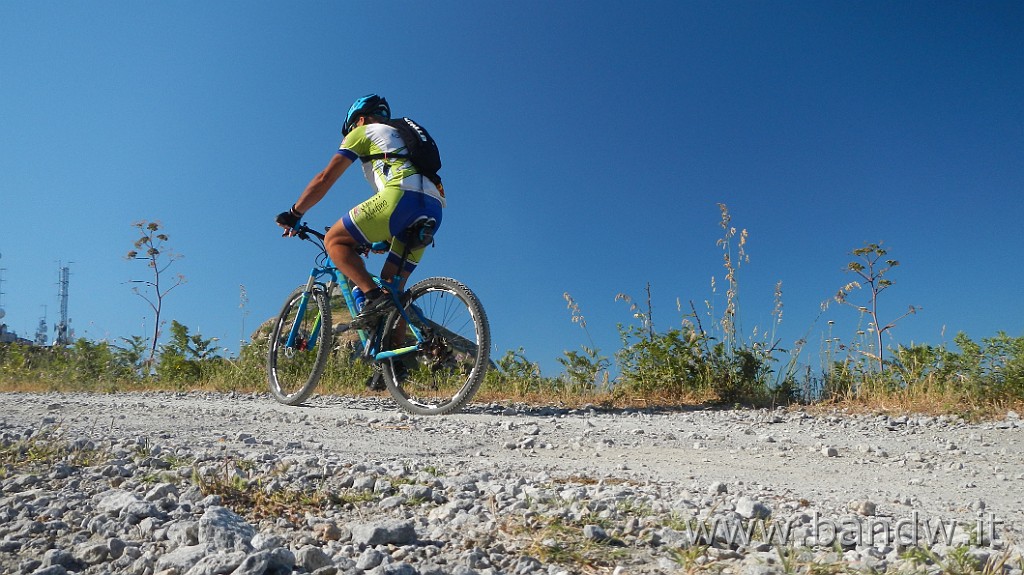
(386, 215)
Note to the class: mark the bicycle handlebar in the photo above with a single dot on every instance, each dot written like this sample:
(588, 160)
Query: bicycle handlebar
(302, 230)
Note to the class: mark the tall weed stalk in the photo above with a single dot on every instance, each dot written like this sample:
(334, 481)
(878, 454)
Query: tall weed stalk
(586, 371)
(690, 359)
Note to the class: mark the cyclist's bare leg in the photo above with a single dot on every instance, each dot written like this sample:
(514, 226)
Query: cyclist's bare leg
(341, 246)
(388, 272)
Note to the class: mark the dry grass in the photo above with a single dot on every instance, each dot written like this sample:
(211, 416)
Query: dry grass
(607, 400)
(904, 402)
(923, 401)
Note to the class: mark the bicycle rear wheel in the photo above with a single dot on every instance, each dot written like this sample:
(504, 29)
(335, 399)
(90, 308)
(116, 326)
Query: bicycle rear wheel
(441, 376)
(294, 371)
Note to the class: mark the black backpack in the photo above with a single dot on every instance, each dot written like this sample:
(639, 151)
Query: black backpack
(420, 148)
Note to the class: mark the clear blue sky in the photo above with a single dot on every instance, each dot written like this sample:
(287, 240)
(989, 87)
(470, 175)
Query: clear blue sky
(585, 147)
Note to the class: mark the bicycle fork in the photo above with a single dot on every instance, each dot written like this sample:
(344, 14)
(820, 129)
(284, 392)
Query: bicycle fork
(314, 334)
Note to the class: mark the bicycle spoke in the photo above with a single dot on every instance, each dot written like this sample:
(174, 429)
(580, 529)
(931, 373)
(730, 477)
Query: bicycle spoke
(452, 357)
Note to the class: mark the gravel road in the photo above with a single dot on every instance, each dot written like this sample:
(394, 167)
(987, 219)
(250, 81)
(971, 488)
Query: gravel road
(623, 481)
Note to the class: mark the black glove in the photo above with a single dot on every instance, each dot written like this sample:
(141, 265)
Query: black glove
(289, 219)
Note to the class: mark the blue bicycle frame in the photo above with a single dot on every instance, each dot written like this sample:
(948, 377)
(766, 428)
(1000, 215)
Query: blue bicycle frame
(335, 278)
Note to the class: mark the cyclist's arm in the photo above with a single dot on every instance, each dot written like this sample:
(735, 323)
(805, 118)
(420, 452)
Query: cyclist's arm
(322, 182)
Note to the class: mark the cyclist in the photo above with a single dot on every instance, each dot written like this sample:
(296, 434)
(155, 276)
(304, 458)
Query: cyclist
(401, 196)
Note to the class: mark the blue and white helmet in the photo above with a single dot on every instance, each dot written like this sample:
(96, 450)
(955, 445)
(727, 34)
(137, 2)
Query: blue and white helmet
(371, 105)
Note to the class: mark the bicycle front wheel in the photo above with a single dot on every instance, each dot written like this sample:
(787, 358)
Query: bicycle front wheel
(453, 351)
(294, 369)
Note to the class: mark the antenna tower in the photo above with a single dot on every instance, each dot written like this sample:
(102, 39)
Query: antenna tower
(41, 330)
(2, 270)
(62, 327)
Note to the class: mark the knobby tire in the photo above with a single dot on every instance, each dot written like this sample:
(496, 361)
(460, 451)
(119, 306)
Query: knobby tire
(294, 373)
(445, 374)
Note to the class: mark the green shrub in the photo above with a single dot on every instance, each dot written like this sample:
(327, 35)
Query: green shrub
(517, 375)
(185, 357)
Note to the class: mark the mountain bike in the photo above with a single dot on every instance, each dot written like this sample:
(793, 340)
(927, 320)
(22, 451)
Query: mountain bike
(431, 350)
